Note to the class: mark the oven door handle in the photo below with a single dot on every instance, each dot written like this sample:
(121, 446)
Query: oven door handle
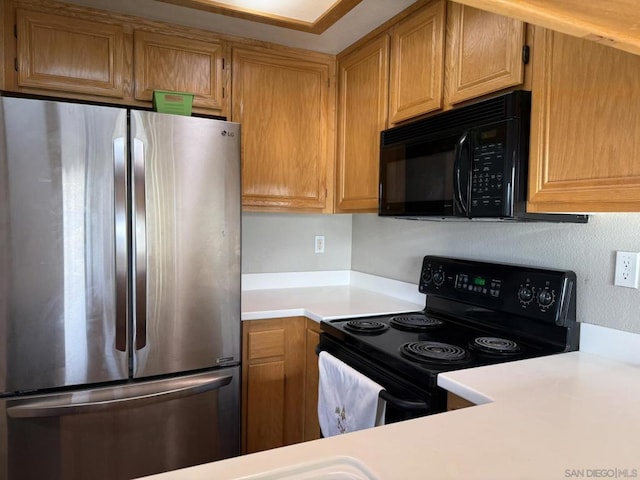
(411, 405)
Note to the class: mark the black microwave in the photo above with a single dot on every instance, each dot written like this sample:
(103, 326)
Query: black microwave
(469, 162)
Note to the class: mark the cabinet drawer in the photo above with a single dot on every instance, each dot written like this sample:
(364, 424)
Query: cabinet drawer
(266, 344)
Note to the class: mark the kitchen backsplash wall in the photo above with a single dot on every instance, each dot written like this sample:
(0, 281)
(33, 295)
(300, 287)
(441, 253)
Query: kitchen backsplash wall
(284, 242)
(394, 248)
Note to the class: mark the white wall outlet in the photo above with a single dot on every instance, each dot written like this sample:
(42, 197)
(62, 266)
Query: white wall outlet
(627, 269)
(319, 244)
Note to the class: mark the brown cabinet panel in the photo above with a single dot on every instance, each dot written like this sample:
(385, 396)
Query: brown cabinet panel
(311, 424)
(363, 78)
(266, 344)
(273, 383)
(284, 104)
(165, 62)
(585, 135)
(484, 53)
(69, 54)
(266, 406)
(454, 402)
(417, 63)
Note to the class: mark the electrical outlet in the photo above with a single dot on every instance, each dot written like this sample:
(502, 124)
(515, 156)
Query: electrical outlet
(319, 244)
(627, 269)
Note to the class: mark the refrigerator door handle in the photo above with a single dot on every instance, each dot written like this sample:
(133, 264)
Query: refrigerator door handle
(120, 166)
(106, 400)
(140, 247)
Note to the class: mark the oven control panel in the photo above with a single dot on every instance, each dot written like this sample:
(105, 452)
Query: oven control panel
(541, 294)
(478, 284)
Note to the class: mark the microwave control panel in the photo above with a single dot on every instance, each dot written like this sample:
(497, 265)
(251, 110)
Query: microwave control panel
(489, 177)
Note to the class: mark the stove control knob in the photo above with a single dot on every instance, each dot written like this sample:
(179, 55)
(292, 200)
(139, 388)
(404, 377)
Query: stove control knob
(427, 276)
(546, 298)
(438, 278)
(525, 294)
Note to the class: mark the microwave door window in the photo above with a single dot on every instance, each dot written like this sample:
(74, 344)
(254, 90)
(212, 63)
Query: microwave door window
(394, 193)
(429, 179)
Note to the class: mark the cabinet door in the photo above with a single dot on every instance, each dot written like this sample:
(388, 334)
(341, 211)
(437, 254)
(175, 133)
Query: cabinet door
(417, 58)
(362, 113)
(585, 126)
(272, 383)
(311, 423)
(484, 53)
(69, 54)
(165, 62)
(284, 104)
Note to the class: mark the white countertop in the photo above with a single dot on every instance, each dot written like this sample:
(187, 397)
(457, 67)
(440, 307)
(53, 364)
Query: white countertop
(352, 295)
(573, 415)
(321, 303)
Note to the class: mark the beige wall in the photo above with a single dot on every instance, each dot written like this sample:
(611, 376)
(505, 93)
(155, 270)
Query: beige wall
(281, 242)
(394, 249)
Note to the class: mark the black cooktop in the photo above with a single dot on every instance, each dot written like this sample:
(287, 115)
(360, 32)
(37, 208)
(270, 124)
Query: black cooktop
(448, 345)
(476, 313)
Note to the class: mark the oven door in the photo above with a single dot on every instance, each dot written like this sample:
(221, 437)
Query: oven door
(404, 399)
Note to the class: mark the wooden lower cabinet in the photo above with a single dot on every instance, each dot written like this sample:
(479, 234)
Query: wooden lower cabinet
(278, 378)
(311, 424)
(454, 402)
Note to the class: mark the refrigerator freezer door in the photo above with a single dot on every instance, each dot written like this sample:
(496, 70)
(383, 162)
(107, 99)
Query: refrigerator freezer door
(62, 256)
(121, 432)
(186, 197)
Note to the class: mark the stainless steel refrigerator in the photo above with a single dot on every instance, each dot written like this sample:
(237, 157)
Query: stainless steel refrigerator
(119, 291)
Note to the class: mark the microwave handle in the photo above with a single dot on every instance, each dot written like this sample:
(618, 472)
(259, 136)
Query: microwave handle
(461, 201)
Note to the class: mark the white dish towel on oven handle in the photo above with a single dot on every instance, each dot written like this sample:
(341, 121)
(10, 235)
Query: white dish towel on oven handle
(347, 400)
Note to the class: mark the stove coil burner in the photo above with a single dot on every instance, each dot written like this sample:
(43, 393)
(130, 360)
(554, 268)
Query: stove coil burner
(434, 352)
(367, 327)
(495, 345)
(415, 322)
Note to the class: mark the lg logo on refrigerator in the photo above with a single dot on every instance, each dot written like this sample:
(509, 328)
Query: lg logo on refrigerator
(224, 133)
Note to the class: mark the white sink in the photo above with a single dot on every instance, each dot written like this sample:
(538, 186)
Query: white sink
(331, 468)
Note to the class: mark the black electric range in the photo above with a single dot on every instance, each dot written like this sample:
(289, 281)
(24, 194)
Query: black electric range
(476, 313)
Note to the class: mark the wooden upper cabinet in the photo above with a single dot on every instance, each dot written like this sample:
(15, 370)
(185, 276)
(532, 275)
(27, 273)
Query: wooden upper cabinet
(166, 62)
(585, 127)
(484, 53)
(363, 78)
(417, 59)
(69, 54)
(284, 102)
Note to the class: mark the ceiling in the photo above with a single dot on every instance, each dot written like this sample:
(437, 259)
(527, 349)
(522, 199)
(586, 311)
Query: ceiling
(313, 16)
(327, 26)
